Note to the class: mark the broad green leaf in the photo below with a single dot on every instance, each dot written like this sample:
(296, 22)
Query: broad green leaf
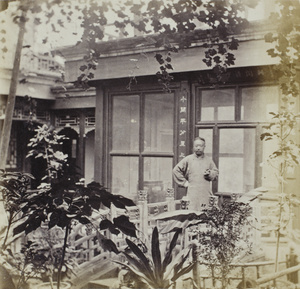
(123, 223)
(107, 244)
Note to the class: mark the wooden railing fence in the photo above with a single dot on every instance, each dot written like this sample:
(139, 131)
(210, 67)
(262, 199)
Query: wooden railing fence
(93, 261)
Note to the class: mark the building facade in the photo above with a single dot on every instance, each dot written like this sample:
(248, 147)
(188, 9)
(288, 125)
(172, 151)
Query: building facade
(142, 131)
(127, 132)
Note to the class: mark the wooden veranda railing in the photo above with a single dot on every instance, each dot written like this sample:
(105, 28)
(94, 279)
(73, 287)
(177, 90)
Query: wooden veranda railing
(272, 278)
(252, 275)
(145, 216)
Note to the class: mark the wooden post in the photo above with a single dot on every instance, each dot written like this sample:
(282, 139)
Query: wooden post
(81, 143)
(213, 275)
(196, 269)
(243, 277)
(143, 206)
(99, 172)
(292, 260)
(170, 198)
(257, 272)
(113, 214)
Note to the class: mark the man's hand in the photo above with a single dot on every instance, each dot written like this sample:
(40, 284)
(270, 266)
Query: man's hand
(186, 184)
(207, 175)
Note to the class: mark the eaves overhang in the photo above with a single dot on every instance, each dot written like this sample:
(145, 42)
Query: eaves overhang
(134, 57)
(35, 85)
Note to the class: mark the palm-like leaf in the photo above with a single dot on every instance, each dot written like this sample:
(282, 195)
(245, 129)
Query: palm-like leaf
(137, 271)
(144, 261)
(185, 270)
(170, 269)
(157, 274)
(156, 254)
(179, 268)
(168, 256)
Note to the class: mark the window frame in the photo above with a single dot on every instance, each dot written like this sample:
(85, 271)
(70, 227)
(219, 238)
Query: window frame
(237, 123)
(141, 154)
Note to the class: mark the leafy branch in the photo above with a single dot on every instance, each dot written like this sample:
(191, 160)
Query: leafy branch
(13, 187)
(282, 128)
(44, 145)
(59, 202)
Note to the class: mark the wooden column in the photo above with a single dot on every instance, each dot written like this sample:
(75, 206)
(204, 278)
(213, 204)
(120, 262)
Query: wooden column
(81, 143)
(99, 137)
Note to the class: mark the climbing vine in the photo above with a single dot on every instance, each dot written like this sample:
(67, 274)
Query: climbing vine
(170, 26)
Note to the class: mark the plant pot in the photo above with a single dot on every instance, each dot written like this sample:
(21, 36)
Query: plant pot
(46, 285)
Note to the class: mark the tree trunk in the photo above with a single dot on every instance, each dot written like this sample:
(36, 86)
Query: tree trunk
(10, 105)
(63, 256)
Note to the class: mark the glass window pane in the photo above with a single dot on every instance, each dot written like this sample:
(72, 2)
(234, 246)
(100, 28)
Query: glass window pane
(257, 102)
(125, 176)
(207, 134)
(159, 120)
(231, 140)
(157, 177)
(125, 123)
(217, 104)
(237, 160)
(230, 182)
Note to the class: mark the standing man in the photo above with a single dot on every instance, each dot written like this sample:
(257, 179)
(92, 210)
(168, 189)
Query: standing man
(195, 172)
